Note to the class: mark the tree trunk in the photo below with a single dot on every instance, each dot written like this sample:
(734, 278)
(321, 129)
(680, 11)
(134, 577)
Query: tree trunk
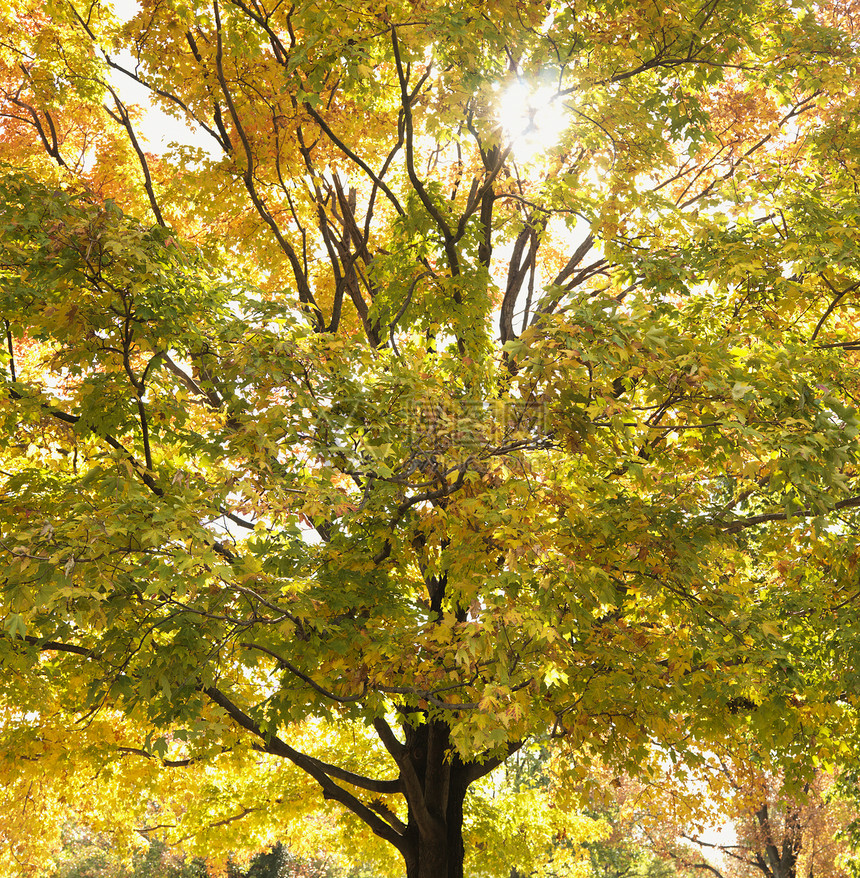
(433, 844)
(440, 852)
(780, 861)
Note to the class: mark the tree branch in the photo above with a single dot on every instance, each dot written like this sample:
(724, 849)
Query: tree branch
(123, 118)
(305, 678)
(275, 746)
(304, 290)
(743, 523)
(406, 104)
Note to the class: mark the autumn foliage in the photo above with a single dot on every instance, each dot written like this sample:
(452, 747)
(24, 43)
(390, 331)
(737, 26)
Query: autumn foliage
(471, 374)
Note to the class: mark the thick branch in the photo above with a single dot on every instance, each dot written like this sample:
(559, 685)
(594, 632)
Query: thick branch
(388, 738)
(11, 346)
(478, 769)
(743, 523)
(51, 143)
(170, 763)
(339, 699)
(274, 745)
(838, 296)
(123, 118)
(386, 787)
(57, 646)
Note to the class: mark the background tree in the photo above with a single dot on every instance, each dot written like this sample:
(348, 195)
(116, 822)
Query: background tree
(85, 856)
(627, 849)
(389, 433)
(518, 825)
(88, 856)
(780, 833)
(729, 815)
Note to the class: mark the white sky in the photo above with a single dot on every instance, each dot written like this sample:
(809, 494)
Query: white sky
(159, 129)
(532, 116)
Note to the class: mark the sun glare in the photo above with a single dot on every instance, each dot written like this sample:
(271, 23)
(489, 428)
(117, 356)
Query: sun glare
(533, 118)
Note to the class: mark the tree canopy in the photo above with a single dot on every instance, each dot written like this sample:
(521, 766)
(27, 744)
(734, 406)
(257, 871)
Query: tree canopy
(479, 373)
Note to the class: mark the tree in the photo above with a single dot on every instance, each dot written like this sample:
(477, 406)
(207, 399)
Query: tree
(780, 832)
(728, 814)
(386, 433)
(627, 850)
(86, 857)
(519, 825)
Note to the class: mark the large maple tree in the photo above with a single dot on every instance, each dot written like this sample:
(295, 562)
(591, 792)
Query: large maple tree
(480, 372)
